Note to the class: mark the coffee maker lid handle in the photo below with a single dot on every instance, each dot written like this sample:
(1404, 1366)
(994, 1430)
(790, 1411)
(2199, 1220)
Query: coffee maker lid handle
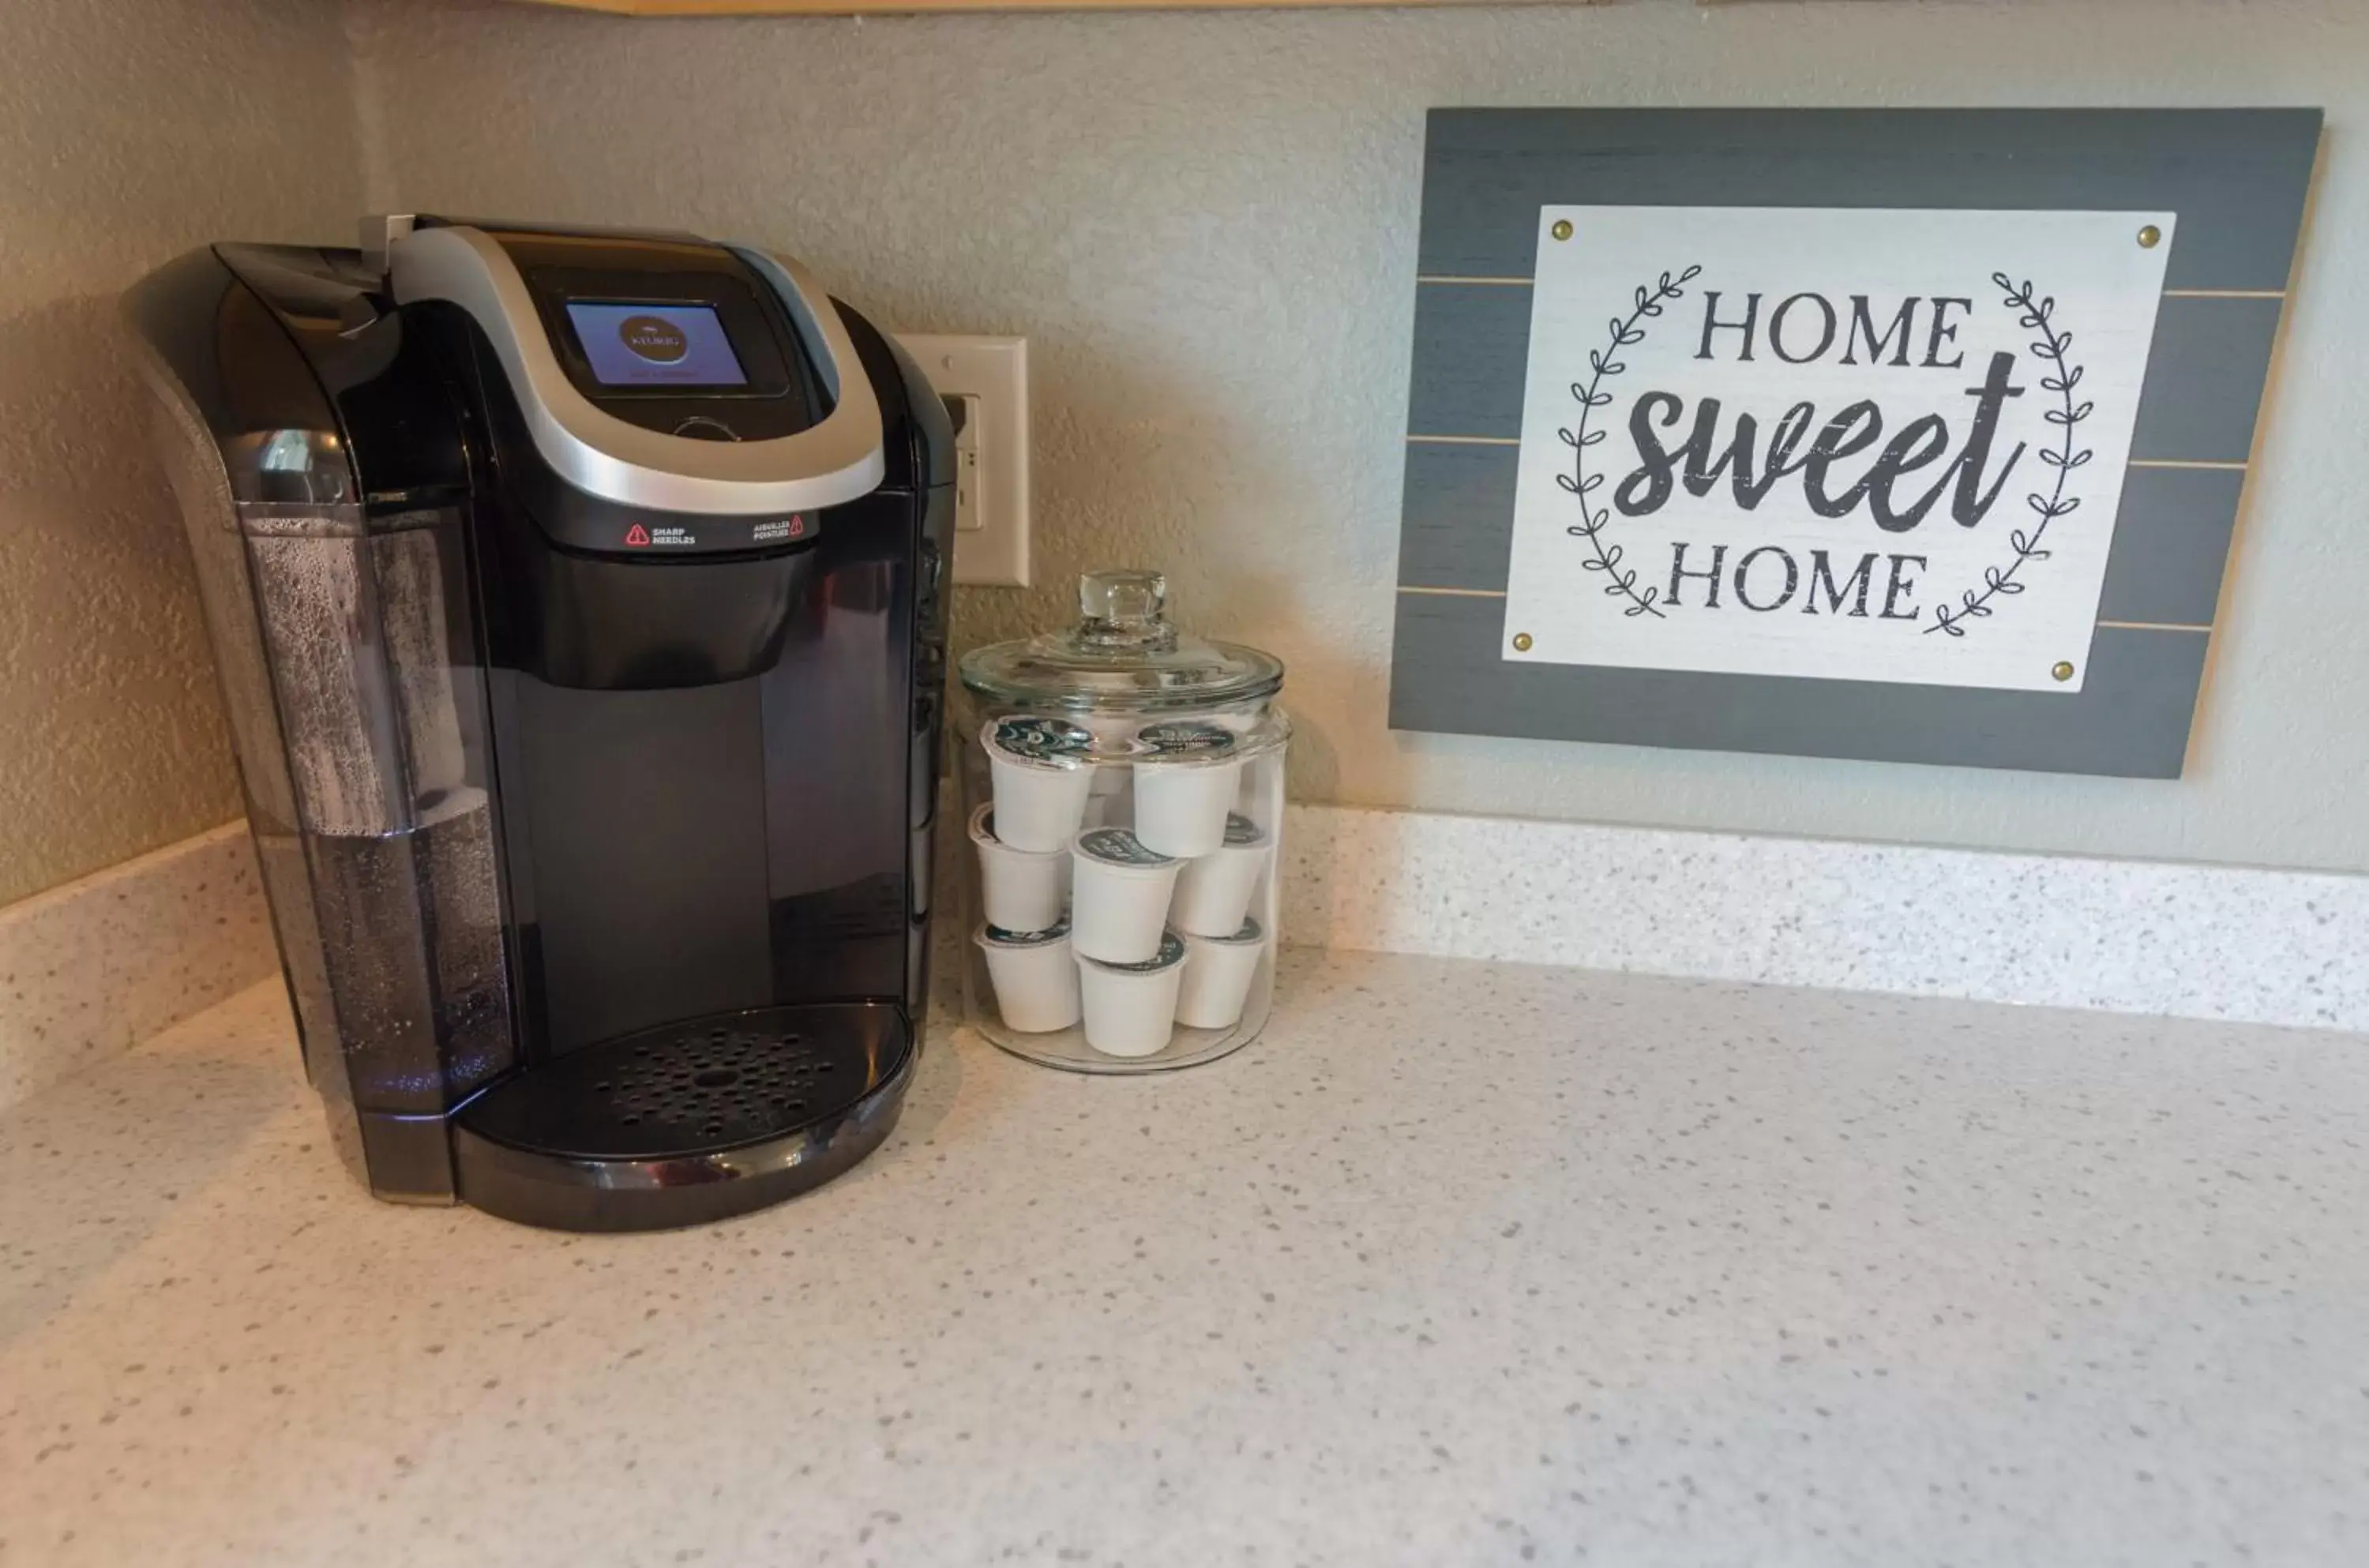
(838, 459)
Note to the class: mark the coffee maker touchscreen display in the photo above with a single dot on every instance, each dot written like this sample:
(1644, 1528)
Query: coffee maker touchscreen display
(655, 345)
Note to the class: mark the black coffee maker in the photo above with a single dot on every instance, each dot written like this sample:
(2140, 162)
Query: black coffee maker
(578, 602)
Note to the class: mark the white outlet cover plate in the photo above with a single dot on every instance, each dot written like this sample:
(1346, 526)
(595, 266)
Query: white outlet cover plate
(995, 372)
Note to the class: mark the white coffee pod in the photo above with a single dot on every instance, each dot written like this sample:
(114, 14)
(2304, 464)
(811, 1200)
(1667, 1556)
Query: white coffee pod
(1043, 770)
(1119, 896)
(1034, 976)
(1020, 889)
(1218, 975)
(1185, 781)
(1131, 1008)
(1213, 893)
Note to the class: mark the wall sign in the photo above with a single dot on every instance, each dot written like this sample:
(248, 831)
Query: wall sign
(1914, 436)
(1827, 442)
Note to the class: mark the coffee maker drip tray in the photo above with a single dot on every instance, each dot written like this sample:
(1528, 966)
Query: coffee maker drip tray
(687, 1122)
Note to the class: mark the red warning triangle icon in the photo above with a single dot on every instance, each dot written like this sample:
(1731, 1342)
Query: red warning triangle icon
(638, 535)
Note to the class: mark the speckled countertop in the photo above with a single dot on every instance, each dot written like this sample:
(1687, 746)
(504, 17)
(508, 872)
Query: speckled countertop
(1464, 1265)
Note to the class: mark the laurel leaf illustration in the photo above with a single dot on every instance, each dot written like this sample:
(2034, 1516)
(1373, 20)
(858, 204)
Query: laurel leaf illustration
(1591, 396)
(2035, 313)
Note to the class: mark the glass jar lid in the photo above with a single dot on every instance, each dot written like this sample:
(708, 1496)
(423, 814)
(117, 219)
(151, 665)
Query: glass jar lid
(1123, 656)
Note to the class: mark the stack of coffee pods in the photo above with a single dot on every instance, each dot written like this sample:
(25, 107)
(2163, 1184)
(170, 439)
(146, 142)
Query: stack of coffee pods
(1118, 875)
(1124, 788)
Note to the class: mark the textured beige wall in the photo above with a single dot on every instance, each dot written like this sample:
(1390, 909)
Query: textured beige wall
(130, 129)
(1206, 225)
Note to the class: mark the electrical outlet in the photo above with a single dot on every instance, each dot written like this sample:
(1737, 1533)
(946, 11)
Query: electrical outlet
(985, 383)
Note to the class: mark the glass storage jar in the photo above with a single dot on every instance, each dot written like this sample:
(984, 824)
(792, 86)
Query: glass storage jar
(1122, 789)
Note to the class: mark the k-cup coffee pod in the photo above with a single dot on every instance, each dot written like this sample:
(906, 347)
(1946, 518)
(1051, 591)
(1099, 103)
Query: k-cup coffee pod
(1130, 1009)
(1213, 893)
(1185, 775)
(1020, 890)
(1034, 977)
(1119, 896)
(1043, 769)
(1218, 975)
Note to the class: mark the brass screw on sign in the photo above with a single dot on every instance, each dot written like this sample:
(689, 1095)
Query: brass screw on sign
(1562, 229)
(2148, 238)
(1521, 642)
(2063, 669)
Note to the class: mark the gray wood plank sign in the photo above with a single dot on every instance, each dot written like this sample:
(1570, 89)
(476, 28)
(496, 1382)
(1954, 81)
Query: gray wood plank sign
(1913, 436)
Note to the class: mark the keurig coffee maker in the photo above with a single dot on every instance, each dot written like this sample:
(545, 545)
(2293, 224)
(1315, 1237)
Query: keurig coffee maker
(579, 600)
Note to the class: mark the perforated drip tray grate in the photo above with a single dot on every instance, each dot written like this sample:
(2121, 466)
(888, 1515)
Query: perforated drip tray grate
(698, 1086)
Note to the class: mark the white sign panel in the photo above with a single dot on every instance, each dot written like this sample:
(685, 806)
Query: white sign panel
(1851, 443)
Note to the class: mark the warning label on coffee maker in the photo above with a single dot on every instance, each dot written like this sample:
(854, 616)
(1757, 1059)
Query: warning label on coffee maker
(792, 527)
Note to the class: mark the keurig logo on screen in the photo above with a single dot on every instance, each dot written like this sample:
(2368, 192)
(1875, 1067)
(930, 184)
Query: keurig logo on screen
(654, 338)
(649, 344)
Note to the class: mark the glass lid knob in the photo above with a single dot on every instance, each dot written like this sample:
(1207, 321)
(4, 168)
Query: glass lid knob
(1124, 609)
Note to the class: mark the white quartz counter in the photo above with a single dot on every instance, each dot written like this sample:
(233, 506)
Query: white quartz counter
(1463, 1264)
